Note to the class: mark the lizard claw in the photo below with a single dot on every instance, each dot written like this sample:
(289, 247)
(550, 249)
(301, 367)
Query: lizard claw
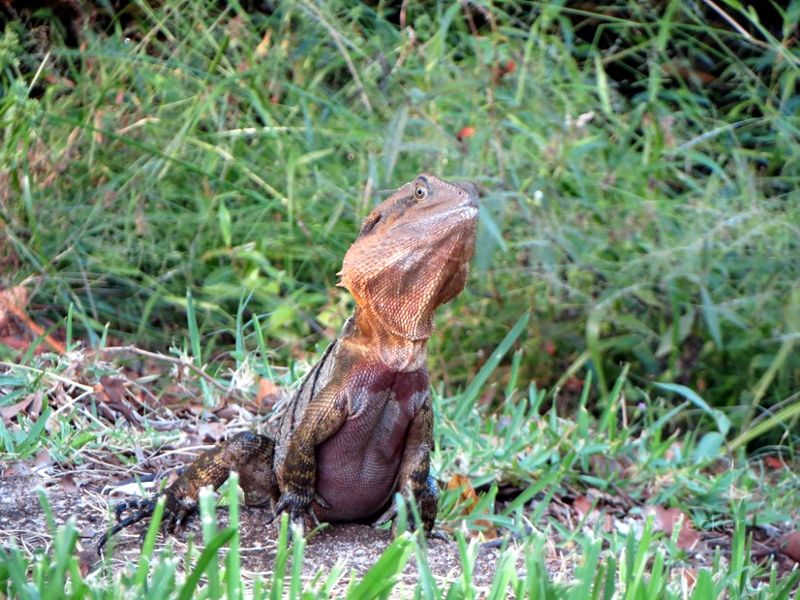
(176, 512)
(387, 516)
(298, 506)
(144, 508)
(321, 501)
(175, 520)
(427, 511)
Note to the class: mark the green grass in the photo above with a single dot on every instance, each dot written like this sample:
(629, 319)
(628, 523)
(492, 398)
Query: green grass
(622, 574)
(233, 154)
(189, 179)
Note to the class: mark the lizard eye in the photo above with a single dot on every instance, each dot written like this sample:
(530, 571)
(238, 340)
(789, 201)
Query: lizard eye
(420, 191)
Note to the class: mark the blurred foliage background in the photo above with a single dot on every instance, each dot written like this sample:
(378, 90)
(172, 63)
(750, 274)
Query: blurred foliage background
(639, 163)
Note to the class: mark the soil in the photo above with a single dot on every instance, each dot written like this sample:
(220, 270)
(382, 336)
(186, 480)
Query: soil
(357, 547)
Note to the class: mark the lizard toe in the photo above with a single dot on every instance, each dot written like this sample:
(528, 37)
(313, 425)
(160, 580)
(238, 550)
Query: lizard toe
(387, 516)
(321, 501)
(298, 506)
(292, 502)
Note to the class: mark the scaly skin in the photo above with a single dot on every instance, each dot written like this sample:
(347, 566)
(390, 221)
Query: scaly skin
(360, 427)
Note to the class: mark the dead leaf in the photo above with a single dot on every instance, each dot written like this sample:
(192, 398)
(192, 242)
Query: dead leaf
(17, 468)
(666, 519)
(98, 127)
(488, 396)
(10, 299)
(87, 559)
(603, 466)
(67, 483)
(582, 505)
(773, 462)
(263, 46)
(469, 500)
(43, 459)
(226, 413)
(9, 412)
(54, 79)
(211, 432)
(268, 394)
(573, 385)
(674, 451)
(36, 408)
(12, 303)
(500, 70)
(691, 74)
(687, 577)
(790, 545)
(17, 343)
(111, 389)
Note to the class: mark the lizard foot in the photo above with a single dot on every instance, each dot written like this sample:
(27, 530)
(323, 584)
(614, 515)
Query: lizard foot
(427, 525)
(176, 512)
(298, 506)
(144, 508)
(426, 498)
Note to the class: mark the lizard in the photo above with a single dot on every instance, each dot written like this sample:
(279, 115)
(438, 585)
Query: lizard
(359, 428)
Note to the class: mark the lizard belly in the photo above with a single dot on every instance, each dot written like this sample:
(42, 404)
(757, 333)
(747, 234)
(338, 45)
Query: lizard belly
(357, 467)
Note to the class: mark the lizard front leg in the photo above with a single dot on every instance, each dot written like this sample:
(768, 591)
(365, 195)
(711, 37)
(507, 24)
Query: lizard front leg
(413, 478)
(324, 415)
(248, 453)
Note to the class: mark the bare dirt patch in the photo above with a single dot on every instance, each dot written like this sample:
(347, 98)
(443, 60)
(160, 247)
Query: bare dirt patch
(24, 523)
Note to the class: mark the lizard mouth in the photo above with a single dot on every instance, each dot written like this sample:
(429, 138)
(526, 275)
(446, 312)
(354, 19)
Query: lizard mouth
(433, 216)
(468, 207)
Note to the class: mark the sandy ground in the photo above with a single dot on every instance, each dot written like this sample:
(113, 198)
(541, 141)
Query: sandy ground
(23, 521)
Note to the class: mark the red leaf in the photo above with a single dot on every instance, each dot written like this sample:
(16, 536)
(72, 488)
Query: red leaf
(464, 133)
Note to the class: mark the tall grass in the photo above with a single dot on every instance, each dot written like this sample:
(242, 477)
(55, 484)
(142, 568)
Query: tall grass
(640, 167)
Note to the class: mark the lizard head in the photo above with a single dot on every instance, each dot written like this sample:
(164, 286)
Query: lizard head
(412, 255)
